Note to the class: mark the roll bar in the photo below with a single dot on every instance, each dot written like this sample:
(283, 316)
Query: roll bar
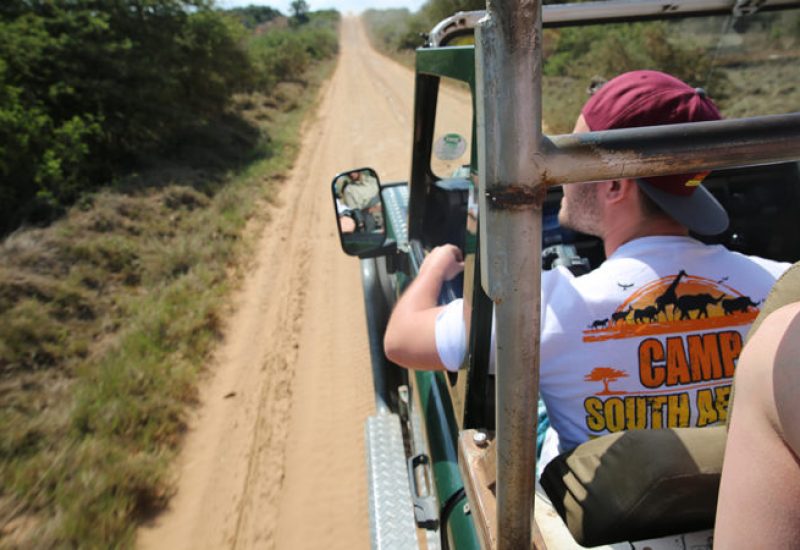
(516, 164)
(564, 15)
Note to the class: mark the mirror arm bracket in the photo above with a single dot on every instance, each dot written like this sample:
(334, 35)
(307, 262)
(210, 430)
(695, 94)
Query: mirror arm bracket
(398, 260)
(388, 249)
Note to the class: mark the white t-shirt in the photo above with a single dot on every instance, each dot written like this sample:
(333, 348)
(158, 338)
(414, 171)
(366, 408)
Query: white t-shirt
(649, 339)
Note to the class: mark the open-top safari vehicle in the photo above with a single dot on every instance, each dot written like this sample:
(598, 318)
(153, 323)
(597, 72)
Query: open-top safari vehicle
(452, 456)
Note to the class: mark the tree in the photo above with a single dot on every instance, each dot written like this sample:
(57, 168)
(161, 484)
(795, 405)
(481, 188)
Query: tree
(300, 11)
(605, 375)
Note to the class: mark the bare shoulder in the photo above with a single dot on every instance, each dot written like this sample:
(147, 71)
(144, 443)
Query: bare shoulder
(775, 329)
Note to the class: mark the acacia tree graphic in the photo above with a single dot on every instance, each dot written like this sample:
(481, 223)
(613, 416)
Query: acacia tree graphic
(606, 375)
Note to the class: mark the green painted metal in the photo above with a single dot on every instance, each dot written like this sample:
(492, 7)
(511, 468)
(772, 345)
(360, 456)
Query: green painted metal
(453, 62)
(442, 431)
(436, 406)
(456, 62)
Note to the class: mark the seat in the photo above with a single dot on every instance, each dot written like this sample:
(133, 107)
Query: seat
(638, 484)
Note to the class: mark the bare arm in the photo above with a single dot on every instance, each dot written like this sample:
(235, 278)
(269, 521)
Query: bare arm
(347, 224)
(760, 484)
(410, 338)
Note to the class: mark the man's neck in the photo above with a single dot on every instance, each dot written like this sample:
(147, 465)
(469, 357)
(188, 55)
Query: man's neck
(621, 234)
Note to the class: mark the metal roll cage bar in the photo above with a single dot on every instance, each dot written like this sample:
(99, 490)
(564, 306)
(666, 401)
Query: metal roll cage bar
(516, 165)
(613, 11)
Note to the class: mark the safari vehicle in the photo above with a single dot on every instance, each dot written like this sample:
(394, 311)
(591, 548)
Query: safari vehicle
(451, 457)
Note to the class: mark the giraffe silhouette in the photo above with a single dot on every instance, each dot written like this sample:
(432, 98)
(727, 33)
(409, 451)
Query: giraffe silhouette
(668, 297)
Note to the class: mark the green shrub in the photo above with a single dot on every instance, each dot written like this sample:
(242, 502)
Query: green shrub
(284, 54)
(88, 87)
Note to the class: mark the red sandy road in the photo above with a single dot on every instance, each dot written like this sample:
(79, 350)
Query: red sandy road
(281, 463)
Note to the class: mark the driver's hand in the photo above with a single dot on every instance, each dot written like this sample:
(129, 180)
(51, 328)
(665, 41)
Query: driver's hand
(445, 261)
(347, 224)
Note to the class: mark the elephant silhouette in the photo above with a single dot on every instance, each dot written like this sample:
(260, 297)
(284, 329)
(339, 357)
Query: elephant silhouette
(740, 304)
(696, 302)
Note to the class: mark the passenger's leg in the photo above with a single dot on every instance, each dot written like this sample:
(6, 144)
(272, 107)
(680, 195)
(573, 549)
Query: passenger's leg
(759, 500)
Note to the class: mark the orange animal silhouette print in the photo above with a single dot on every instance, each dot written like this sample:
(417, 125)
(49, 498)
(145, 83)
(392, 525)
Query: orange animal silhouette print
(677, 303)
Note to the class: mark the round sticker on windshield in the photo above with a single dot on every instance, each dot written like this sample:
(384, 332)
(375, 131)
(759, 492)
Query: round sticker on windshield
(449, 147)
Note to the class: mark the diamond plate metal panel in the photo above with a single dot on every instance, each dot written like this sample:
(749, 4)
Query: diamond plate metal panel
(392, 524)
(396, 204)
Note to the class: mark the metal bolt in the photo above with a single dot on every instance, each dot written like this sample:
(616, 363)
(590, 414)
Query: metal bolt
(480, 439)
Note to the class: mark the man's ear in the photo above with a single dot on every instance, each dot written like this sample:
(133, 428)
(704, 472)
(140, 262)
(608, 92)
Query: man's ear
(617, 191)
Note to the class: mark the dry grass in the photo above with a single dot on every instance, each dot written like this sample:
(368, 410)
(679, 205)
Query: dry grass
(106, 318)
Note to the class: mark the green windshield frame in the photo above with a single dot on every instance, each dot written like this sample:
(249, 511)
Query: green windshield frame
(458, 63)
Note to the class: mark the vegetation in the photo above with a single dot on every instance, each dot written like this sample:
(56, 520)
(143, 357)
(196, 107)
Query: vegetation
(255, 16)
(284, 54)
(577, 56)
(746, 66)
(107, 315)
(395, 30)
(746, 74)
(299, 11)
(88, 88)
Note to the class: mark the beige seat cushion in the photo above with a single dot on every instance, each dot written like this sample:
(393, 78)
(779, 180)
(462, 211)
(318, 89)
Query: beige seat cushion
(616, 488)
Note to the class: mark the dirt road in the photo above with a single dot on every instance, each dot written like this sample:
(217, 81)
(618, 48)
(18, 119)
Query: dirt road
(275, 455)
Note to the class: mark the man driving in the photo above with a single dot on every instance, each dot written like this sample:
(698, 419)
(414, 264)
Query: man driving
(650, 338)
(358, 202)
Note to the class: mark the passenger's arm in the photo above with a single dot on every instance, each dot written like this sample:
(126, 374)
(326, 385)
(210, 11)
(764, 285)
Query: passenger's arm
(760, 484)
(410, 338)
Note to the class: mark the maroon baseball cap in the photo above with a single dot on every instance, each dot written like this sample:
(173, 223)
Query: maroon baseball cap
(652, 98)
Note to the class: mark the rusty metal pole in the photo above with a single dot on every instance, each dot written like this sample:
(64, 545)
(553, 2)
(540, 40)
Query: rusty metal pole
(508, 66)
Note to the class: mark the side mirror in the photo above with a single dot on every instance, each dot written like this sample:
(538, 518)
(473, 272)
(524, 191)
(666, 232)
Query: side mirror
(359, 212)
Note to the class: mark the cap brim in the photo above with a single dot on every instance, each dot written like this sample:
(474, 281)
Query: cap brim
(700, 211)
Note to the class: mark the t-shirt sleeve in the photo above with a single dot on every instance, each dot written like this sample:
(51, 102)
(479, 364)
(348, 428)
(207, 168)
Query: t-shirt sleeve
(451, 338)
(556, 289)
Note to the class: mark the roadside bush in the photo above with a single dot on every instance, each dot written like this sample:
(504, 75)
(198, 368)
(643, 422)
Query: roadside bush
(254, 16)
(284, 54)
(613, 49)
(87, 87)
(393, 30)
